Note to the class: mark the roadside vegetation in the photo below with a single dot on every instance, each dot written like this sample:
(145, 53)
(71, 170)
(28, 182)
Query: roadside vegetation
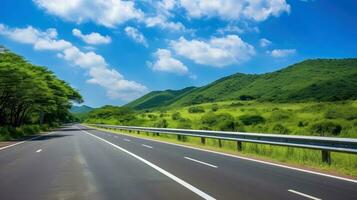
(334, 119)
(32, 98)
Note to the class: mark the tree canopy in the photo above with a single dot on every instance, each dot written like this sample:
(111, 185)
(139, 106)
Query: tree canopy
(32, 94)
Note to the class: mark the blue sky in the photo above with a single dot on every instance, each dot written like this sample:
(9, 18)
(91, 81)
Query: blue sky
(114, 51)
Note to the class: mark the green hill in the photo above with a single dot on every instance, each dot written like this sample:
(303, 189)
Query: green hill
(158, 98)
(310, 80)
(81, 109)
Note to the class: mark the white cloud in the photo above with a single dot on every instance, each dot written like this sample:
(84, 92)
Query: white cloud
(41, 40)
(243, 27)
(230, 29)
(279, 53)
(135, 34)
(257, 10)
(264, 42)
(100, 72)
(166, 63)
(162, 22)
(216, 52)
(108, 13)
(92, 38)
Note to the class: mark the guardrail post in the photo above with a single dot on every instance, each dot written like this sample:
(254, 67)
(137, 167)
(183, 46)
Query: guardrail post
(326, 156)
(203, 140)
(138, 132)
(220, 143)
(239, 146)
(179, 137)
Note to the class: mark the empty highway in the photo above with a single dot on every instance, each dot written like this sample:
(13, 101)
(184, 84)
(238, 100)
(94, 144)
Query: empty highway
(77, 162)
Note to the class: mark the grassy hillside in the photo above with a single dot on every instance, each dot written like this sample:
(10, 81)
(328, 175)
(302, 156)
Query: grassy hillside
(158, 98)
(81, 109)
(310, 80)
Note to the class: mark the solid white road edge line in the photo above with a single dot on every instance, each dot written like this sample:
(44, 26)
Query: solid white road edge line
(144, 145)
(166, 173)
(2, 148)
(304, 195)
(204, 163)
(249, 159)
(38, 151)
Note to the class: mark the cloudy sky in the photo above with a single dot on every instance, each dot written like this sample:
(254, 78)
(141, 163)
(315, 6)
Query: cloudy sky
(114, 51)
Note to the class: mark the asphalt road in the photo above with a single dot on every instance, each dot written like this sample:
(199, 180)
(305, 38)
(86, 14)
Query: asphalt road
(81, 163)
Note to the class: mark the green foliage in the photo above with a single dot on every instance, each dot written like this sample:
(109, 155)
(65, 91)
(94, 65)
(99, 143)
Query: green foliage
(214, 107)
(246, 97)
(222, 122)
(9, 132)
(280, 129)
(176, 116)
(196, 109)
(338, 113)
(162, 123)
(121, 115)
(30, 94)
(326, 128)
(184, 123)
(251, 119)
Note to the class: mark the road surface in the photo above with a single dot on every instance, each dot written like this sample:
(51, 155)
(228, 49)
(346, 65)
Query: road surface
(76, 162)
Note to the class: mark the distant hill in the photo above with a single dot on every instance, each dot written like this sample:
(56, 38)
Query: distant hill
(310, 80)
(159, 98)
(81, 109)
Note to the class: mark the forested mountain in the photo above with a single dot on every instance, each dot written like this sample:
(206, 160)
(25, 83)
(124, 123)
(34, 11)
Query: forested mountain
(81, 109)
(32, 94)
(159, 98)
(310, 80)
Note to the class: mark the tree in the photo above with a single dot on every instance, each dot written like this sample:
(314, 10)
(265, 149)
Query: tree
(28, 91)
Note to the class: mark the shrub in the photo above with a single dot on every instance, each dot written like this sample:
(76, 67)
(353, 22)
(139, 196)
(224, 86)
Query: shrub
(162, 123)
(251, 119)
(30, 129)
(246, 97)
(184, 123)
(152, 116)
(196, 109)
(176, 116)
(278, 128)
(326, 128)
(302, 124)
(222, 122)
(215, 107)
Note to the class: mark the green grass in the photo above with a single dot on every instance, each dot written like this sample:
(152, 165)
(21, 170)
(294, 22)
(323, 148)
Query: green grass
(342, 164)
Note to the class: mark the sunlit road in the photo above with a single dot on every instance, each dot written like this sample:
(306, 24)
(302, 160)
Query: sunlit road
(76, 162)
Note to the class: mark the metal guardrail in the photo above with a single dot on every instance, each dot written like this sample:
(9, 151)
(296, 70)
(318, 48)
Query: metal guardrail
(326, 144)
